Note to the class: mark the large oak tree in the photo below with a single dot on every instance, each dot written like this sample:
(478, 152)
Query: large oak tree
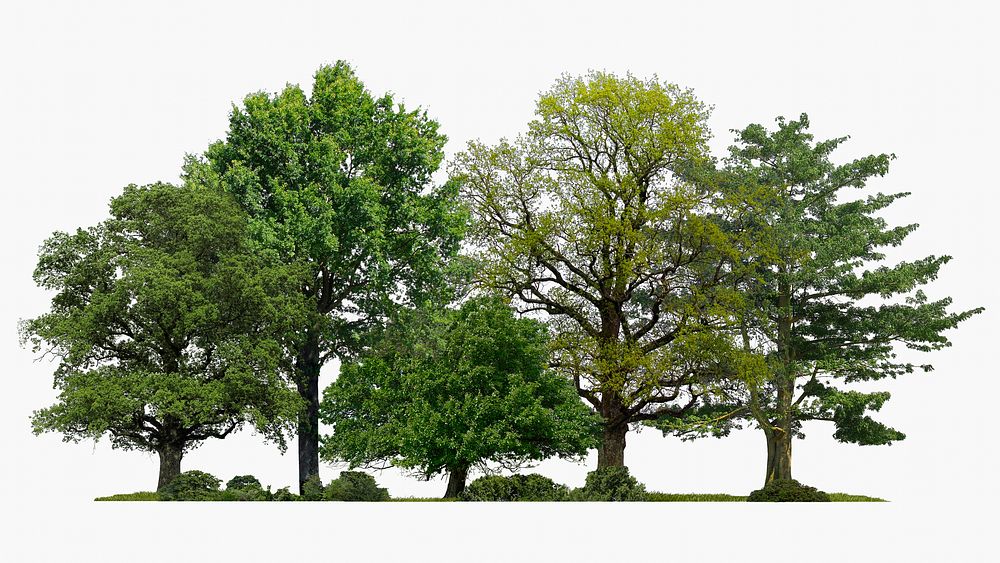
(166, 327)
(589, 219)
(340, 182)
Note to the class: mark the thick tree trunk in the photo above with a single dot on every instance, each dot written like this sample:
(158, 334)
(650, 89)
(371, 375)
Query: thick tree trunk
(611, 453)
(456, 482)
(779, 456)
(307, 367)
(170, 464)
(779, 438)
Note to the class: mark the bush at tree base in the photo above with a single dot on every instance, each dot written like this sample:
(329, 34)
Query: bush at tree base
(787, 490)
(610, 484)
(533, 487)
(192, 485)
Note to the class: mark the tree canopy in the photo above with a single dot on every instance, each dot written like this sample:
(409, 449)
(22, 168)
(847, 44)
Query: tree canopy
(166, 328)
(339, 181)
(449, 390)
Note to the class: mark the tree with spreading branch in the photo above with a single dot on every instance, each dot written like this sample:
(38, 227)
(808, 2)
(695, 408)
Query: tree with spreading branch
(592, 219)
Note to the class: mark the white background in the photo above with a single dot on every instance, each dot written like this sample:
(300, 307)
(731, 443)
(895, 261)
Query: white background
(98, 95)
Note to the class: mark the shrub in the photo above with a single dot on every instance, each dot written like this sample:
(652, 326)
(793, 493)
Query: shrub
(192, 485)
(787, 490)
(283, 494)
(533, 487)
(312, 489)
(245, 488)
(355, 486)
(610, 484)
(244, 482)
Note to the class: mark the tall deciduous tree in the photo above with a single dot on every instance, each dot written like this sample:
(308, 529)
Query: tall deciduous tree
(339, 181)
(165, 326)
(825, 310)
(587, 219)
(447, 390)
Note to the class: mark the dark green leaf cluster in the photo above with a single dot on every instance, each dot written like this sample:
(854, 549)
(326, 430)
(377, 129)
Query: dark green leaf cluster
(787, 490)
(532, 487)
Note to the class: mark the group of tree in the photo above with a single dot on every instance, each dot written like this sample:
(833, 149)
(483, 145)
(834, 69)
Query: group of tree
(601, 270)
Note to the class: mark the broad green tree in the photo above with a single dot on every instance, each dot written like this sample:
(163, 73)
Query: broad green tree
(825, 308)
(338, 181)
(447, 390)
(591, 218)
(165, 326)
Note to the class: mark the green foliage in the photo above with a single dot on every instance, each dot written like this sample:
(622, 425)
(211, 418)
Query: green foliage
(788, 490)
(610, 484)
(312, 488)
(532, 487)
(166, 326)
(446, 389)
(355, 486)
(192, 485)
(129, 497)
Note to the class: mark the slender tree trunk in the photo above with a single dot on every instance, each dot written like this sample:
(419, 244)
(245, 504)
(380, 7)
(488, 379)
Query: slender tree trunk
(170, 464)
(612, 450)
(307, 367)
(456, 482)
